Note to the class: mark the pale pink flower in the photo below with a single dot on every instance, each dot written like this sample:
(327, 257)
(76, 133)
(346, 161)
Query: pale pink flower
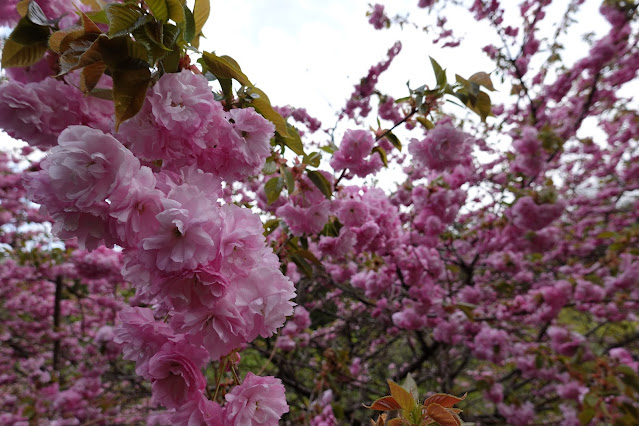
(352, 212)
(257, 401)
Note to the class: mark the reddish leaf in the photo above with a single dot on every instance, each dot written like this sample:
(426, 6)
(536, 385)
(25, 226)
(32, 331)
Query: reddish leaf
(129, 91)
(386, 403)
(442, 416)
(443, 399)
(381, 420)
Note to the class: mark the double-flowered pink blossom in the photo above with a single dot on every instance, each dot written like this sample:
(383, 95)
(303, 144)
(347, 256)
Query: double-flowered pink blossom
(188, 233)
(77, 178)
(33, 111)
(528, 215)
(257, 401)
(444, 147)
(182, 124)
(355, 154)
(175, 373)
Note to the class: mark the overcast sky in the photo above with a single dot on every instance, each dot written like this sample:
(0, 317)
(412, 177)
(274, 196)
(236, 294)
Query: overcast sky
(310, 53)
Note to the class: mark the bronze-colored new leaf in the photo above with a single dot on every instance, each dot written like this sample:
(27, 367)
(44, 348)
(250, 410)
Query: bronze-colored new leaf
(129, 92)
(60, 40)
(90, 75)
(386, 403)
(443, 399)
(124, 18)
(483, 79)
(442, 416)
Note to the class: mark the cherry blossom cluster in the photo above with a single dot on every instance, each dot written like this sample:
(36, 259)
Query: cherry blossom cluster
(202, 265)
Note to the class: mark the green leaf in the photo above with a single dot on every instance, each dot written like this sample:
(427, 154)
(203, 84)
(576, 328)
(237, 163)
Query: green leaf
(100, 16)
(606, 234)
(309, 255)
(426, 122)
(312, 159)
(382, 154)
(124, 18)
(289, 180)
(171, 62)
(471, 88)
(320, 182)
(482, 106)
(270, 166)
(176, 12)
(302, 264)
(629, 377)
(159, 9)
(291, 140)
(329, 149)
(225, 67)
(394, 140)
(263, 106)
(27, 32)
(273, 188)
(270, 226)
(129, 91)
(20, 55)
(467, 309)
(189, 25)
(106, 94)
(201, 11)
(440, 74)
